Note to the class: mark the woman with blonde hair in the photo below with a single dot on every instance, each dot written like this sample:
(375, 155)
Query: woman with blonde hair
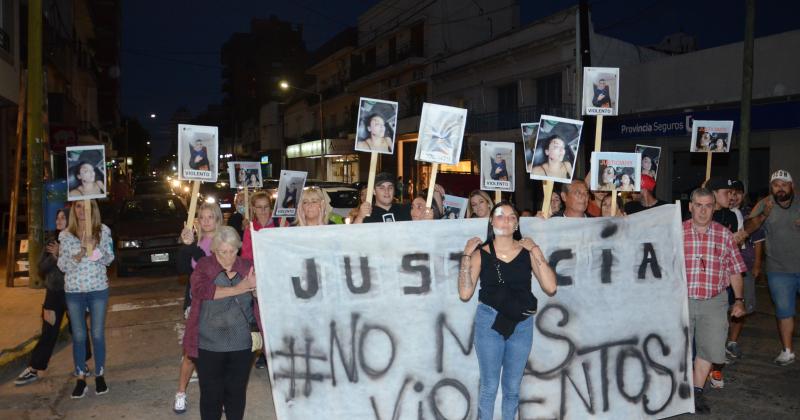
(315, 208)
(86, 288)
(480, 204)
(209, 221)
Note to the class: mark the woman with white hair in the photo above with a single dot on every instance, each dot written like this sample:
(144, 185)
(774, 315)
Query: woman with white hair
(315, 208)
(223, 313)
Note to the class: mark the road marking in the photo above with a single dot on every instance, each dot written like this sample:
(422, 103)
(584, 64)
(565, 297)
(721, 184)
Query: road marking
(120, 307)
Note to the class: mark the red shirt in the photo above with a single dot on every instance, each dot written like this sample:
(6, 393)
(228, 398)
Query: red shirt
(711, 259)
(247, 241)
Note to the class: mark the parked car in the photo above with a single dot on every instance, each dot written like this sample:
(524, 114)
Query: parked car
(146, 232)
(218, 192)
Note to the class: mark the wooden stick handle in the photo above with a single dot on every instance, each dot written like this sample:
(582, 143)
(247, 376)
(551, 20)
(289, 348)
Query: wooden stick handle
(373, 164)
(708, 166)
(431, 184)
(548, 194)
(87, 211)
(598, 133)
(246, 203)
(613, 200)
(498, 196)
(192, 204)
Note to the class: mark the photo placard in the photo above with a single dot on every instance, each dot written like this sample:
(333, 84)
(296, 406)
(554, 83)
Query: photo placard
(616, 171)
(245, 174)
(711, 136)
(529, 131)
(600, 90)
(290, 191)
(556, 149)
(376, 128)
(441, 132)
(198, 148)
(497, 166)
(455, 207)
(86, 172)
(651, 157)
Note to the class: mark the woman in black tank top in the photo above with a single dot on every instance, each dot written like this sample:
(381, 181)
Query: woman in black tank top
(504, 264)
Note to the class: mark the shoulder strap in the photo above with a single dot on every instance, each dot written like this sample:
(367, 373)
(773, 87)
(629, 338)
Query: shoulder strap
(496, 263)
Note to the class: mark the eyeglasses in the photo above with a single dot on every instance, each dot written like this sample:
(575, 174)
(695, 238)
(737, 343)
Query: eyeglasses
(262, 208)
(226, 251)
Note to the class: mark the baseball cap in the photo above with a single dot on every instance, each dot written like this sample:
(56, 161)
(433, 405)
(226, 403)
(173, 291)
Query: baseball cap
(737, 185)
(719, 183)
(648, 183)
(384, 177)
(781, 175)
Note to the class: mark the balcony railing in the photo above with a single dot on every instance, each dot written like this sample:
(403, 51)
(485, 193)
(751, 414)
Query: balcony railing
(498, 121)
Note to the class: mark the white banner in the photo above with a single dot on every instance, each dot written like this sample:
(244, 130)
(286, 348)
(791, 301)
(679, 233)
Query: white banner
(364, 321)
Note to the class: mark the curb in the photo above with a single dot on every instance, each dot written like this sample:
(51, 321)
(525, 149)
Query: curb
(23, 350)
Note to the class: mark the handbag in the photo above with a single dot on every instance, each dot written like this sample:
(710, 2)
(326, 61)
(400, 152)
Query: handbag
(257, 343)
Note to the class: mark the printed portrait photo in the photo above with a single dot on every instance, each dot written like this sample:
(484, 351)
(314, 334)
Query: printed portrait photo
(615, 171)
(377, 126)
(650, 159)
(529, 143)
(711, 136)
(245, 174)
(441, 131)
(556, 149)
(454, 207)
(198, 146)
(290, 190)
(600, 90)
(497, 166)
(86, 172)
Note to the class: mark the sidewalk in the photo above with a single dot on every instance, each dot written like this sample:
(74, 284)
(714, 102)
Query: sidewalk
(20, 321)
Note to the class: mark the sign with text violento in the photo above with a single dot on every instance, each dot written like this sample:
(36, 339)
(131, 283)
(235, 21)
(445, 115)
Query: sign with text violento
(364, 321)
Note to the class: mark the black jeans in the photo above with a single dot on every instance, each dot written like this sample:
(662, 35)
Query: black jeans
(40, 357)
(223, 380)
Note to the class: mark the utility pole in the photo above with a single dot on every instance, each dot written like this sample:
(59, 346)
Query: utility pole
(747, 94)
(35, 139)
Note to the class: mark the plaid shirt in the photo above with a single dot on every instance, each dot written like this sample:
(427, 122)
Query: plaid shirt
(711, 259)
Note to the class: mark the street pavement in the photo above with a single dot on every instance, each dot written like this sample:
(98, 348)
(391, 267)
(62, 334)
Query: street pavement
(145, 317)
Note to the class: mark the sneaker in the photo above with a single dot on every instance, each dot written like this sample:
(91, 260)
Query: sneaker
(27, 376)
(180, 403)
(715, 376)
(784, 358)
(700, 404)
(732, 350)
(194, 377)
(80, 389)
(100, 386)
(261, 362)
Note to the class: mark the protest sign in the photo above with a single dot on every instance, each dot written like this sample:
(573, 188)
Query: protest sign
(651, 156)
(529, 131)
(612, 171)
(454, 207)
(290, 188)
(497, 166)
(245, 174)
(197, 153)
(86, 172)
(373, 328)
(556, 150)
(711, 136)
(600, 91)
(377, 126)
(441, 131)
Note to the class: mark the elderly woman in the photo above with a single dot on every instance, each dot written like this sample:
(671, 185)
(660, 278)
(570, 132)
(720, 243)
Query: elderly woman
(555, 149)
(90, 180)
(505, 264)
(193, 249)
(86, 289)
(221, 318)
(315, 208)
(479, 204)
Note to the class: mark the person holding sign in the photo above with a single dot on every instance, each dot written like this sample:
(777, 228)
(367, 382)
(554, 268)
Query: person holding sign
(556, 167)
(480, 204)
(576, 200)
(712, 263)
(385, 209)
(315, 207)
(504, 318)
(86, 288)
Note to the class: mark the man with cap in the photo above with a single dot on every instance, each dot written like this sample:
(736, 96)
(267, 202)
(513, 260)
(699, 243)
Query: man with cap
(385, 209)
(752, 250)
(713, 262)
(647, 198)
(779, 214)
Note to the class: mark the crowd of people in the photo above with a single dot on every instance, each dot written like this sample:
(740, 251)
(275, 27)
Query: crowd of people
(728, 244)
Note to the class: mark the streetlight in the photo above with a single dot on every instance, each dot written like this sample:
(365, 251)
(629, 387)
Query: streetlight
(286, 86)
(152, 115)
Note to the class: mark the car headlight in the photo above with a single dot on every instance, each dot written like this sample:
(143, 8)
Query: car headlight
(176, 183)
(211, 200)
(131, 244)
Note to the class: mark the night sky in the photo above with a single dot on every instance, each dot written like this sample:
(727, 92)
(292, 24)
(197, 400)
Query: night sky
(170, 49)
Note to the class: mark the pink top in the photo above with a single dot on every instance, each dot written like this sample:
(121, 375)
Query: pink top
(247, 241)
(205, 245)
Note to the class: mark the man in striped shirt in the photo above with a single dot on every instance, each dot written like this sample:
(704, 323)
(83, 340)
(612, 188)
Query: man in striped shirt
(712, 263)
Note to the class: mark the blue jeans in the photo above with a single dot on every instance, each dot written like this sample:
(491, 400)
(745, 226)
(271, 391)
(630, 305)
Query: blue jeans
(96, 303)
(498, 358)
(784, 288)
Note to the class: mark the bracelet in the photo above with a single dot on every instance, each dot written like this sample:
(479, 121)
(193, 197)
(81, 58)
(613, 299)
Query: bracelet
(465, 255)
